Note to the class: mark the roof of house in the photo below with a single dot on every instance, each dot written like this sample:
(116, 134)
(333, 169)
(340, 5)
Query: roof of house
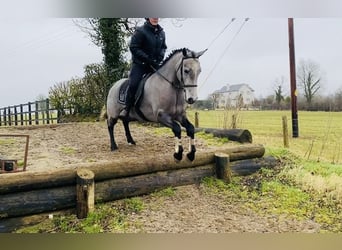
(232, 88)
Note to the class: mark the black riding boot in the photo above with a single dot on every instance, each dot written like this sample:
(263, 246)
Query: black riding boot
(128, 103)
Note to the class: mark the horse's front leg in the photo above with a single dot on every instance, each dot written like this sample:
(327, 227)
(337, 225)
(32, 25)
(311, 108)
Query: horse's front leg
(176, 129)
(190, 131)
(166, 120)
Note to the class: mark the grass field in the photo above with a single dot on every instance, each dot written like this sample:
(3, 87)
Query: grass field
(315, 156)
(306, 187)
(319, 132)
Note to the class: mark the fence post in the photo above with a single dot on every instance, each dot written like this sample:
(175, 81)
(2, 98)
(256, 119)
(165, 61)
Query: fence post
(47, 106)
(15, 116)
(234, 119)
(36, 114)
(30, 115)
(21, 115)
(0, 118)
(196, 119)
(285, 132)
(9, 117)
(5, 117)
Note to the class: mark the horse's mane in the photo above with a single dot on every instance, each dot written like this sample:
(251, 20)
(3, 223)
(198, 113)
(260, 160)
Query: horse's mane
(173, 52)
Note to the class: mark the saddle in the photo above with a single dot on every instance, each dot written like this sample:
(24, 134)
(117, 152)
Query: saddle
(138, 95)
(137, 98)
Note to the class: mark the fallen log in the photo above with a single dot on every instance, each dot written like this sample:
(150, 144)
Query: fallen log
(239, 135)
(53, 199)
(25, 181)
(250, 166)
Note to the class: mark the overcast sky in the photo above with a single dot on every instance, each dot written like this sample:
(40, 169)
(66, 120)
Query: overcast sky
(36, 53)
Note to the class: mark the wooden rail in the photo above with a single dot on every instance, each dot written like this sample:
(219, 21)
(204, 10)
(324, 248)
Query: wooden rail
(38, 112)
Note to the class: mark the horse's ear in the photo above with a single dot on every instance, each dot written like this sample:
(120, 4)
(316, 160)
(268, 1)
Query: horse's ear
(198, 54)
(185, 52)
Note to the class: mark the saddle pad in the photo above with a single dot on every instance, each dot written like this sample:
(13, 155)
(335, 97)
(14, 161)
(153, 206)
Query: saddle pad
(123, 92)
(137, 98)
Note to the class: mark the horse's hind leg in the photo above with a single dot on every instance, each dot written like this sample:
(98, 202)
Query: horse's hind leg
(111, 123)
(128, 132)
(190, 131)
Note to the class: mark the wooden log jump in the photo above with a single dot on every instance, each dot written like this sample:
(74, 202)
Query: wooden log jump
(239, 135)
(39, 192)
(18, 182)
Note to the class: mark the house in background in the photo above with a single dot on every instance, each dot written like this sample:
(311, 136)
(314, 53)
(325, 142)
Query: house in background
(237, 95)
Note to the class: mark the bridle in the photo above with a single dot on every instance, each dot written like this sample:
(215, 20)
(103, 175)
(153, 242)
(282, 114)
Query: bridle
(181, 84)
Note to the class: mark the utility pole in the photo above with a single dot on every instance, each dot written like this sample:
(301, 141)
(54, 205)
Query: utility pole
(293, 80)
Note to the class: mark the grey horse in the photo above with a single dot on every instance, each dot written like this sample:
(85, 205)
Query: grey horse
(163, 100)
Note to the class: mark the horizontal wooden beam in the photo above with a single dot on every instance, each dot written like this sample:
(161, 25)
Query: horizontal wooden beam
(25, 181)
(57, 198)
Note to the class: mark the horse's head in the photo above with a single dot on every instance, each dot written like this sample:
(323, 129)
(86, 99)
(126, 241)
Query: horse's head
(188, 71)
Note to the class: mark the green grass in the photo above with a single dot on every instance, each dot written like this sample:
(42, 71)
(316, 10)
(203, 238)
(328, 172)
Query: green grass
(319, 138)
(67, 150)
(306, 186)
(107, 217)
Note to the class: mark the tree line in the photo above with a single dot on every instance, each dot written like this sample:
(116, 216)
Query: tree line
(309, 82)
(88, 95)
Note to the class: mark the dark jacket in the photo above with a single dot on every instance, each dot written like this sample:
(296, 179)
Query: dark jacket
(148, 44)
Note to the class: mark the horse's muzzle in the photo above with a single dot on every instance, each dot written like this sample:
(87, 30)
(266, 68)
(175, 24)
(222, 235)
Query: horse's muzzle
(190, 100)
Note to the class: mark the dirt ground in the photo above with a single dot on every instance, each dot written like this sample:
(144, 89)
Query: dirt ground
(189, 210)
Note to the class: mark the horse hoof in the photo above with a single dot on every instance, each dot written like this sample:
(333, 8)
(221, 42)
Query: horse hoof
(178, 156)
(191, 156)
(114, 148)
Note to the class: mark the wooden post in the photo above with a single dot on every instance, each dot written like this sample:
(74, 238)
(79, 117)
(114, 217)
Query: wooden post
(21, 115)
(196, 120)
(36, 113)
(85, 192)
(222, 167)
(234, 121)
(30, 113)
(47, 106)
(9, 116)
(285, 132)
(15, 116)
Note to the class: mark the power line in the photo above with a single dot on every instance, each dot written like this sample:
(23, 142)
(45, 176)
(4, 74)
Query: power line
(224, 52)
(40, 42)
(233, 19)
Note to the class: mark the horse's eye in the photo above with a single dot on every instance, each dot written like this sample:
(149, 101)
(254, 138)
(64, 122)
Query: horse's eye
(186, 71)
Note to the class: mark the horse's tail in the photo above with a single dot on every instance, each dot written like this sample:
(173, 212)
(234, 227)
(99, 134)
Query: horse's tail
(103, 114)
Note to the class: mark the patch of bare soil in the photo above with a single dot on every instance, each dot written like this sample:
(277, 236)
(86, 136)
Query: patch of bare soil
(57, 146)
(190, 209)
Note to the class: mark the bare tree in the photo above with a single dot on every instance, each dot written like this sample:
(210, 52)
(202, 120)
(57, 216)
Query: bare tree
(338, 100)
(279, 91)
(309, 78)
(215, 98)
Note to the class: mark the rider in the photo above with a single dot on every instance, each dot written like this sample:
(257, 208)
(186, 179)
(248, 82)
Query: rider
(148, 49)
